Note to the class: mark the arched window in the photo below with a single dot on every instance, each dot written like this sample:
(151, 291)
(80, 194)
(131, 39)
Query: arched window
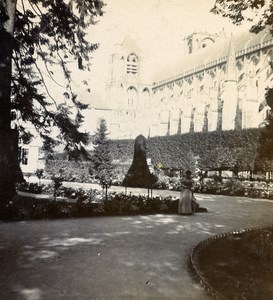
(131, 96)
(145, 97)
(206, 42)
(239, 65)
(132, 64)
(146, 92)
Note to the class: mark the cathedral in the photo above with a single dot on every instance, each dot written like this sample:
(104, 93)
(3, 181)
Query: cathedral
(218, 83)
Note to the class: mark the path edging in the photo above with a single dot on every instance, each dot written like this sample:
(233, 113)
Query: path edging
(194, 265)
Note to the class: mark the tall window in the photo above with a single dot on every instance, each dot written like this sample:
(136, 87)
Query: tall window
(238, 117)
(220, 115)
(132, 96)
(145, 97)
(252, 71)
(24, 156)
(192, 120)
(132, 64)
(206, 120)
(179, 122)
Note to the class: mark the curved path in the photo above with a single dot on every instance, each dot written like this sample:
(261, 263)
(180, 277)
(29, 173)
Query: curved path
(136, 257)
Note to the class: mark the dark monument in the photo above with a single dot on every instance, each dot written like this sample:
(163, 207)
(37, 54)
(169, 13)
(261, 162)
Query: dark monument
(139, 174)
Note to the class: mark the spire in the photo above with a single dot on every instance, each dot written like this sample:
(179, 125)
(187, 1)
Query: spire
(129, 44)
(231, 62)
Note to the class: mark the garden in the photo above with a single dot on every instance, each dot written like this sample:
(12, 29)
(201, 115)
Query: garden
(213, 267)
(66, 202)
(210, 156)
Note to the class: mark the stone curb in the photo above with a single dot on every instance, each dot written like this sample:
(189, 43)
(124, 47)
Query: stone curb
(194, 265)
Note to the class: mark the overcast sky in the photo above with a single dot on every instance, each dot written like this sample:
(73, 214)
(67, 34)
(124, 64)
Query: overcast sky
(158, 27)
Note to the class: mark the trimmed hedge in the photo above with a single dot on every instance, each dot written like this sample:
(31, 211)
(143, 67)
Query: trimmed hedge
(235, 150)
(217, 150)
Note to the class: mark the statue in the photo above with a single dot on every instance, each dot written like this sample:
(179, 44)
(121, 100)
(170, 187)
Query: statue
(139, 174)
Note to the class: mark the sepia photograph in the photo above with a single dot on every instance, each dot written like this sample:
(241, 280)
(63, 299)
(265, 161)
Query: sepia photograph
(136, 149)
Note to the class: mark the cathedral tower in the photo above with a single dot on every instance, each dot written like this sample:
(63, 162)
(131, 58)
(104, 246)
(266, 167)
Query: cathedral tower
(199, 40)
(126, 94)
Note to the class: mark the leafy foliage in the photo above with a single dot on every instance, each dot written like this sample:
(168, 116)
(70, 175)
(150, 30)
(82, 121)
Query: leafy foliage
(50, 35)
(269, 98)
(101, 162)
(88, 203)
(73, 171)
(259, 12)
(38, 39)
(265, 155)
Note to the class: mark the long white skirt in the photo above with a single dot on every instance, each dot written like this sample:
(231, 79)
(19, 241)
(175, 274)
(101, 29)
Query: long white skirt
(184, 206)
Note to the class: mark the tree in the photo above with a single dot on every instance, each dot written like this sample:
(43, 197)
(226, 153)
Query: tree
(101, 161)
(259, 13)
(265, 155)
(39, 173)
(38, 37)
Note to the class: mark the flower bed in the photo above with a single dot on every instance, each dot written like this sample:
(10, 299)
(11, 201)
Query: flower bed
(86, 203)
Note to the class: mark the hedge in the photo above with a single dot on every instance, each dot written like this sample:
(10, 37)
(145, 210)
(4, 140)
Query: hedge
(217, 150)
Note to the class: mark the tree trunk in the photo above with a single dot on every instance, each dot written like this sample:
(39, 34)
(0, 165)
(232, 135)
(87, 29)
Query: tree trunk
(106, 194)
(10, 171)
(9, 164)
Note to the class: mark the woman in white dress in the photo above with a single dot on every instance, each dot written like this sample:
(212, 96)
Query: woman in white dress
(186, 195)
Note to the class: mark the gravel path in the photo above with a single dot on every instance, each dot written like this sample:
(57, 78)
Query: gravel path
(138, 257)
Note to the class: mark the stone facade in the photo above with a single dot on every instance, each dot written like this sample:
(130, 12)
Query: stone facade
(218, 85)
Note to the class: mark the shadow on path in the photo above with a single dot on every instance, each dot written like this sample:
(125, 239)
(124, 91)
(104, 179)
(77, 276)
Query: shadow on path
(136, 257)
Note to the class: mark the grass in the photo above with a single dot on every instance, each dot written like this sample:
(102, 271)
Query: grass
(239, 266)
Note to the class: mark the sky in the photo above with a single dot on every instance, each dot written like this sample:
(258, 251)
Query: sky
(157, 26)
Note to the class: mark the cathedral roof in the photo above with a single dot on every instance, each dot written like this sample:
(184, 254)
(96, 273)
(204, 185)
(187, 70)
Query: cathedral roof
(213, 54)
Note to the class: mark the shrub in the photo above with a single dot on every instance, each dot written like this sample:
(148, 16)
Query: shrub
(210, 186)
(33, 188)
(26, 208)
(74, 171)
(161, 184)
(238, 188)
(233, 188)
(175, 184)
